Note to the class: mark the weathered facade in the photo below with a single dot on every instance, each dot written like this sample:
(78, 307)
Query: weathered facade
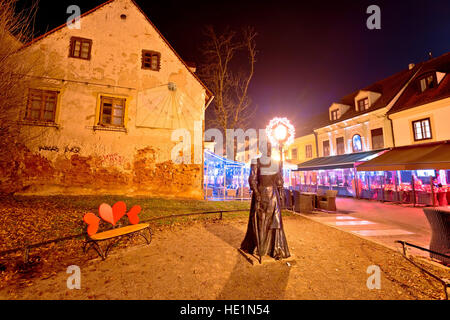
(103, 103)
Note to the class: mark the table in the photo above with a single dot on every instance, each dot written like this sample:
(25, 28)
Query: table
(314, 197)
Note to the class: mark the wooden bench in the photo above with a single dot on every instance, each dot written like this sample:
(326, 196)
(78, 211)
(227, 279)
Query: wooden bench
(116, 234)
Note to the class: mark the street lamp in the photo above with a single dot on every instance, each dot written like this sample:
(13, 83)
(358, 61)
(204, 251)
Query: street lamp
(280, 132)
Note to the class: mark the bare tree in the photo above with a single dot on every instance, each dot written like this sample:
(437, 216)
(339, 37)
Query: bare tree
(232, 106)
(16, 28)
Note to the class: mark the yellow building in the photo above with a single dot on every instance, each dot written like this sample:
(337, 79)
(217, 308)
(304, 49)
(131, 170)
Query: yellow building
(302, 149)
(422, 113)
(103, 103)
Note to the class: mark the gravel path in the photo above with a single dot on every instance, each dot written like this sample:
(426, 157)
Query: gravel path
(200, 261)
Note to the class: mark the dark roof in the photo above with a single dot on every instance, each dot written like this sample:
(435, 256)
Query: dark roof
(337, 162)
(311, 123)
(388, 88)
(418, 157)
(413, 97)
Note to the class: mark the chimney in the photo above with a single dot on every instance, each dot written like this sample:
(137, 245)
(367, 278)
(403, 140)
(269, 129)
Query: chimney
(430, 55)
(411, 65)
(192, 66)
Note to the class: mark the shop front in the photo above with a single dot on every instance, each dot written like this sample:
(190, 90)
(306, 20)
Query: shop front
(412, 174)
(331, 173)
(225, 179)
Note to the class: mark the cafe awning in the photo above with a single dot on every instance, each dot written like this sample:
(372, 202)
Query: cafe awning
(338, 162)
(419, 157)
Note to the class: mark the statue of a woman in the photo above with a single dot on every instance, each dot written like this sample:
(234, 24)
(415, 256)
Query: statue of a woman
(265, 227)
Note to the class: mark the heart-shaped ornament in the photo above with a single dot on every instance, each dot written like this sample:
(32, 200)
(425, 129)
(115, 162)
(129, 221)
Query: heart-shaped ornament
(133, 214)
(106, 213)
(92, 221)
(119, 209)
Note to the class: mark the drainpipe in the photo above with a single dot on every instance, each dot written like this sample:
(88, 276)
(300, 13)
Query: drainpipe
(392, 130)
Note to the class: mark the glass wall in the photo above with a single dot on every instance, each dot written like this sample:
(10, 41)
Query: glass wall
(341, 180)
(423, 187)
(228, 180)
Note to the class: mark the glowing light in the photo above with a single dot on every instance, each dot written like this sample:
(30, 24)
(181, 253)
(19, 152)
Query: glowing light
(280, 130)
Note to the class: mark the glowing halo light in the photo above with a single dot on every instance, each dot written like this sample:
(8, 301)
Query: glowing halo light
(280, 130)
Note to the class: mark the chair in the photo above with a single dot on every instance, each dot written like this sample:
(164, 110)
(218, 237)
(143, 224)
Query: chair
(329, 203)
(288, 198)
(296, 196)
(439, 221)
(306, 203)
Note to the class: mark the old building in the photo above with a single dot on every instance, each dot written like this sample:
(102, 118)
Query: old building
(356, 130)
(422, 113)
(103, 106)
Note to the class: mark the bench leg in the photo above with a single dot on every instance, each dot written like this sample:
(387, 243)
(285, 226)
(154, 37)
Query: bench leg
(149, 238)
(96, 246)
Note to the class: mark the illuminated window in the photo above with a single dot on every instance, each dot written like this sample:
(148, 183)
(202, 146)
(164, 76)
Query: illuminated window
(80, 48)
(340, 146)
(363, 104)
(335, 114)
(326, 148)
(377, 139)
(427, 82)
(308, 151)
(41, 105)
(357, 143)
(112, 111)
(151, 60)
(422, 129)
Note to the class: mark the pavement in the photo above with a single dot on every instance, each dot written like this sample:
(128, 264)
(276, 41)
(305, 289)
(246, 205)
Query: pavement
(381, 222)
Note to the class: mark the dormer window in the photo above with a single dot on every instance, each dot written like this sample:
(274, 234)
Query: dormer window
(335, 114)
(427, 81)
(363, 104)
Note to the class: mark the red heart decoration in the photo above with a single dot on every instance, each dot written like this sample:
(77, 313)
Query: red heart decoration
(119, 209)
(106, 213)
(133, 214)
(92, 221)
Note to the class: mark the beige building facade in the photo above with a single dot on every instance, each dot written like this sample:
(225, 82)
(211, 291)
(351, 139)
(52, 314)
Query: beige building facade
(107, 103)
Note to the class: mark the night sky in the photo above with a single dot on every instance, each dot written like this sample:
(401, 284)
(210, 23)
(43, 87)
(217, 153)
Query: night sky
(311, 53)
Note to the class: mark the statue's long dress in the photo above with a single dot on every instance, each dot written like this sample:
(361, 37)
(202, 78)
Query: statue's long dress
(265, 227)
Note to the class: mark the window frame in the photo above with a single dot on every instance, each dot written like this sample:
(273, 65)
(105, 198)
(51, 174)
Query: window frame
(308, 151)
(353, 143)
(292, 154)
(337, 145)
(424, 77)
(100, 110)
(359, 106)
(152, 53)
(323, 148)
(335, 114)
(372, 136)
(42, 110)
(421, 129)
(72, 47)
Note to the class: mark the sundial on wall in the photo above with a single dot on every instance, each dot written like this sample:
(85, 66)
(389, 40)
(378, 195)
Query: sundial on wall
(168, 107)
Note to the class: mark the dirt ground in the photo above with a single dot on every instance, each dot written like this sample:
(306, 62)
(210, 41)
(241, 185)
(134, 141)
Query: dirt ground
(201, 261)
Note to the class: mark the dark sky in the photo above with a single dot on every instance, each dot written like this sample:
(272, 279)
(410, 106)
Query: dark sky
(311, 53)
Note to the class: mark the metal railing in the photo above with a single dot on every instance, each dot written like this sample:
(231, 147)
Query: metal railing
(26, 248)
